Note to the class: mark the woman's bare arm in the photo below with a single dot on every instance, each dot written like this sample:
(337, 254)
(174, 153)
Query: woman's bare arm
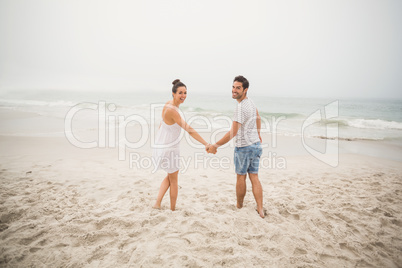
(183, 124)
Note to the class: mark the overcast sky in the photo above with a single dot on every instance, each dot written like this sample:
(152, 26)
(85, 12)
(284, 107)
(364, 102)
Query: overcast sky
(306, 48)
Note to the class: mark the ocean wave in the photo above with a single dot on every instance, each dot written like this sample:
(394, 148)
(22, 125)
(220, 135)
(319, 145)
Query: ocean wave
(365, 123)
(194, 109)
(37, 103)
(374, 124)
(277, 115)
(201, 111)
(349, 139)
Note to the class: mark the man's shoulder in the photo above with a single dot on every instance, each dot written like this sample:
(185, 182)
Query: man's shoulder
(248, 103)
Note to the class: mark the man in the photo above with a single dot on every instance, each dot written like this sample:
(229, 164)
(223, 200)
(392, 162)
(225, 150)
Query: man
(246, 130)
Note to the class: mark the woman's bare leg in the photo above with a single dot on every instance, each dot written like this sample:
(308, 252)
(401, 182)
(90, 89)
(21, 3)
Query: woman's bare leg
(162, 190)
(174, 188)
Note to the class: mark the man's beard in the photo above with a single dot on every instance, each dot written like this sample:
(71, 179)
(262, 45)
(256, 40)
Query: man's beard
(238, 96)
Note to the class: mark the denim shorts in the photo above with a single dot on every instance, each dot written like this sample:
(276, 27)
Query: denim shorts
(247, 159)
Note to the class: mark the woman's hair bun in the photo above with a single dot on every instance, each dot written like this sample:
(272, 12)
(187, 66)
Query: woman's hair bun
(176, 84)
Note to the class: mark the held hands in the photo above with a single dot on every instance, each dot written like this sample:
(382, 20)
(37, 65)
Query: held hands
(211, 149)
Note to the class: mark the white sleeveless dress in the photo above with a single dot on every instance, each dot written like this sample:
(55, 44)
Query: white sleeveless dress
(166, 151)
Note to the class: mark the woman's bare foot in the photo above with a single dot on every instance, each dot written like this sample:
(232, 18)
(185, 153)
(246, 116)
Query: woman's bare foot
(239, 205)
(156, 206)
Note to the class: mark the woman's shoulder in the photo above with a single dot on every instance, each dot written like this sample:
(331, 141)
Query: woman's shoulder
(169, 106)
(170, 110)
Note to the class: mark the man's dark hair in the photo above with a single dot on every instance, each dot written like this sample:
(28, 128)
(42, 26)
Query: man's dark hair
(242, 80)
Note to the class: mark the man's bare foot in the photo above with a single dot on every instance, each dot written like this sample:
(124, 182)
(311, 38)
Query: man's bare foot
(261, 212)
(239, 205)
(156, 206)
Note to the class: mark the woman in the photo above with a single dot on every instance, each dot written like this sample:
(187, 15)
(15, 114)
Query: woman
(167, 152)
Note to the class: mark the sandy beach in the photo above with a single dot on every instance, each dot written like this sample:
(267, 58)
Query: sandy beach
(62, 206)
(83, 90)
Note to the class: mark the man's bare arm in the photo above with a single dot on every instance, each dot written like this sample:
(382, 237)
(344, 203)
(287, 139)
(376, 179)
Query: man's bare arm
(229, 135)
(259, 125)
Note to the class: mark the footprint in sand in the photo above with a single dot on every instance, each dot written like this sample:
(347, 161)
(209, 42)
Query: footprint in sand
(157, 220)
(349, 250)
(274, 252)
(34, 249)
(3, 227)
(299, 251)
(11, 216)
(287, 214)
(328, 258)
(28, 240)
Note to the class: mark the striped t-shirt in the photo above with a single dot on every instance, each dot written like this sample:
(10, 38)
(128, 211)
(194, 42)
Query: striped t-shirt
(246, 115)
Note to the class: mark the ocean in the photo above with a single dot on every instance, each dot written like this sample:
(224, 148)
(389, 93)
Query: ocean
(354, 119)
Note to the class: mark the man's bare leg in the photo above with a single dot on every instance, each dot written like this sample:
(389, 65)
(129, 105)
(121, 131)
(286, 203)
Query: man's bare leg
(257, 192)
(174, 188)
(241, 188)
(162, 190)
